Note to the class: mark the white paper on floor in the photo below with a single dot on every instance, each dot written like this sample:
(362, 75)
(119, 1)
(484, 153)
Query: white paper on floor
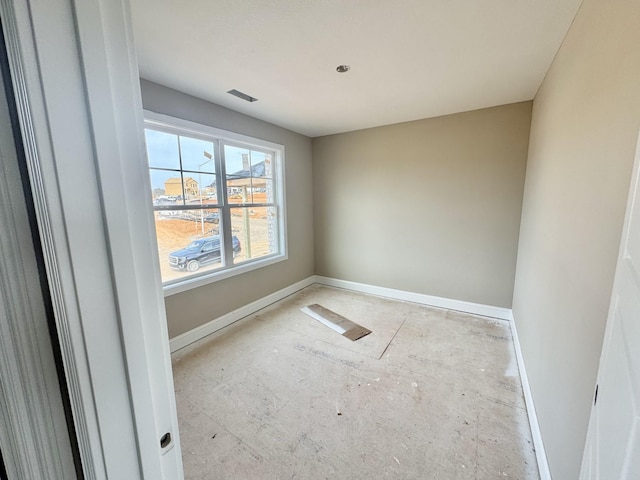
(336, 322)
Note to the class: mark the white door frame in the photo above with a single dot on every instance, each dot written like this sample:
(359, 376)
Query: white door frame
(30, 392)
(75, 79)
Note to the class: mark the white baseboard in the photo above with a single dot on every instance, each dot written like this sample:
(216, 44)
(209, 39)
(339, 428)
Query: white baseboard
(440, 302)
(541, 455)
(216, 324)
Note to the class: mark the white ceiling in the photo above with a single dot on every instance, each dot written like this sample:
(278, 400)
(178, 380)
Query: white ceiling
(409, 59)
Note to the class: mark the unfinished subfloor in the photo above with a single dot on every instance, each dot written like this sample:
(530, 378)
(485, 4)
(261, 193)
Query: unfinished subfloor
(430, 394)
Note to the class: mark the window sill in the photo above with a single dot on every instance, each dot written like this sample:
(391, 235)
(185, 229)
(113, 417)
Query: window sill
(195, 282)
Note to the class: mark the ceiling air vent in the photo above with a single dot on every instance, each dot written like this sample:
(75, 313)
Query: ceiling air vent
(243, 96)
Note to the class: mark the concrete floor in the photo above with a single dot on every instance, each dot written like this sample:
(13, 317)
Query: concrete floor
(430, 394)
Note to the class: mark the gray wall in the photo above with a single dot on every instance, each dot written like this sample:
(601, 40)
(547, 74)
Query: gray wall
(190, 309)
(584, 129)
(431, 206)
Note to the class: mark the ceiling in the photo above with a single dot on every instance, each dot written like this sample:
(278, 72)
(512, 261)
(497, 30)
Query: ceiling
(409, 59)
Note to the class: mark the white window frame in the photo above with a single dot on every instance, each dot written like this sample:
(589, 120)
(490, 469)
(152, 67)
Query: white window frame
(174, 125)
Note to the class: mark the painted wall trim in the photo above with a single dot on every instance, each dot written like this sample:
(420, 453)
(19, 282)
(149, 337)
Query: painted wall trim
(227, 319)
(541, 455)
(448, 303)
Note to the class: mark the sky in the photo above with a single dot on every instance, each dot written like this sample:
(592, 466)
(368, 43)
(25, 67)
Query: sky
(162, 152)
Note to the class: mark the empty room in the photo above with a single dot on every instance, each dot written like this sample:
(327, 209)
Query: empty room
(320, 239)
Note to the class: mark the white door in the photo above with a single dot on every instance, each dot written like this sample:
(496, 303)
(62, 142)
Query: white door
(612, 449)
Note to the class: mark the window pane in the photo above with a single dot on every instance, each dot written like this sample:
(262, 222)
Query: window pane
(191, 188)
(197, 155)
(257, 231)
(188, 242)
(162, 149)
(239, 189)
(262, 189)
(237, 161)
(166, 187)
(261, 165)
(200, 189)
(249, 175)
(244, 162)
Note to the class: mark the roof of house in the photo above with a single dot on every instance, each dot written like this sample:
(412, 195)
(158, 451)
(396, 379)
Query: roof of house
(173, 180)
(257, 170)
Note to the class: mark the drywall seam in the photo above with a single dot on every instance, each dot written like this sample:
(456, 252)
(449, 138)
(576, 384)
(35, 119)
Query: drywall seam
(227, 319)
(448, 303)
(541, 455)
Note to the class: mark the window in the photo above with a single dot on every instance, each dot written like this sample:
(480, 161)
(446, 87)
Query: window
(218, 201)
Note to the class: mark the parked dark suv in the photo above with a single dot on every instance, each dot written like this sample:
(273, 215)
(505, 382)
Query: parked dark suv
(200, 252)
(212, 218)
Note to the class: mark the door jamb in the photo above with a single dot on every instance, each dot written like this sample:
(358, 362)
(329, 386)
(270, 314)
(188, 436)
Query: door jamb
(75, 79)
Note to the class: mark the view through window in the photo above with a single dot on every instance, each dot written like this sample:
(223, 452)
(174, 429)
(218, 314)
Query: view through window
(216, 203)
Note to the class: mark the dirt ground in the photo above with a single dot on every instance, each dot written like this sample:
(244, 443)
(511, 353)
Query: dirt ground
(176, 231)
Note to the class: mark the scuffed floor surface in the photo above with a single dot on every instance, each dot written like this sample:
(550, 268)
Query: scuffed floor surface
(430, 394)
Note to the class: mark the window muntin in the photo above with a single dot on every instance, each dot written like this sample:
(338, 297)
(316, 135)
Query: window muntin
(222, 191)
